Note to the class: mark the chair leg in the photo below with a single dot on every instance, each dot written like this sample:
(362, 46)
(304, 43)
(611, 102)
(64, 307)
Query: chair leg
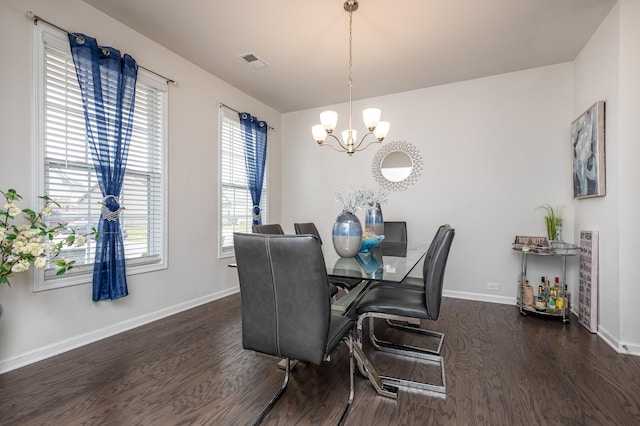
(383, 345)
(345, 412)
(368, 371)
(275, 398)
(404, 350)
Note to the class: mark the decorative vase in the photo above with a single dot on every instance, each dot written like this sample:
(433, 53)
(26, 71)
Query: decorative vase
(347, 234)
(373, 219)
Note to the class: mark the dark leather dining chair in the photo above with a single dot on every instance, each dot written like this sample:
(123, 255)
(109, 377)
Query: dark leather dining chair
(415, 283)
(310, 228)
(269, 228)
(405, 303)
(276, 229)
(395, 239)
(286, 306)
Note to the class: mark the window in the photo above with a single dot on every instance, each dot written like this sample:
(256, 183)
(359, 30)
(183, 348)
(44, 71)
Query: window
(65, 171)
(235, 199)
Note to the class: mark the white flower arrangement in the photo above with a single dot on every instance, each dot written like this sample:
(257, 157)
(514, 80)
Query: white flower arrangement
(361, 198)
(371, 197)
(33, 242)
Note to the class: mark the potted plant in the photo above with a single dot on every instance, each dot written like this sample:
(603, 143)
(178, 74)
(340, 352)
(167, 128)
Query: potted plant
(553, 221)
(27, 239)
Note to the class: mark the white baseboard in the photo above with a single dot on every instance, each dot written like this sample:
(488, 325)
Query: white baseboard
(481, 297)
(618, 346)
(84, 339)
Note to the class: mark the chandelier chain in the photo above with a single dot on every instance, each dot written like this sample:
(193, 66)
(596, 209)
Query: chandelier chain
(350, 49)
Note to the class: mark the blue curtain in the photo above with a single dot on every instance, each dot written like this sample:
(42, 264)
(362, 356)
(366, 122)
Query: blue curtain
(255, 155)
(108, 87)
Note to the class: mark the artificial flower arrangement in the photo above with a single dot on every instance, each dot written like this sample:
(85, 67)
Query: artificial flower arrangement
(361, 198)
(371, 197)
(33, 242)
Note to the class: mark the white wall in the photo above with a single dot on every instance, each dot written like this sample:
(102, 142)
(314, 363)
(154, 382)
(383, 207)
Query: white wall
(629, 175)
(494, 149)
(36, 325)
(608, 68)
(596, 78)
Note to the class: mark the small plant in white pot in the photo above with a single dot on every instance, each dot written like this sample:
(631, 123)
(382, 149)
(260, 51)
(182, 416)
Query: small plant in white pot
(553, 221)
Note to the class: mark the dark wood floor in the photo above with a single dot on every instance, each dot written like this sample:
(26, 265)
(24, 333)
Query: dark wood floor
(501, 369)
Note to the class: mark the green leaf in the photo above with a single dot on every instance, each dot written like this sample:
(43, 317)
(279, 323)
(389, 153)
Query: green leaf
(12, 195)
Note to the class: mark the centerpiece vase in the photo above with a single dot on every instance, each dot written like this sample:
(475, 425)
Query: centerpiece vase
(373, 219)
(347, 234)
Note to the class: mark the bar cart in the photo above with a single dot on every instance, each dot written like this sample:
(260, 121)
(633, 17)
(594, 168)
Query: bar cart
(536, 246)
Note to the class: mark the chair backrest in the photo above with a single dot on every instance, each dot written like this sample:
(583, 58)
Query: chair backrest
(435, 263)
(271, 228)
(395, 239)
(435, 242)
(307, 228)
(284, 291)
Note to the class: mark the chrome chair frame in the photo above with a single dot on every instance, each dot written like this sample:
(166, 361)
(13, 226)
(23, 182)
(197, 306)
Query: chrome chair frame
(435, 263)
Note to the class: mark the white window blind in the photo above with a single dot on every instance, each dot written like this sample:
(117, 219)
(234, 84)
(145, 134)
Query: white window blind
(68, 174)
(236, 207)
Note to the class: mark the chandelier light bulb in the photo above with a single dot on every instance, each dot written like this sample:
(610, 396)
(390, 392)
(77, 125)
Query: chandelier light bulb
(319, 133)
(371, 117)
(329, 119)
(349, 140)
(382, 130)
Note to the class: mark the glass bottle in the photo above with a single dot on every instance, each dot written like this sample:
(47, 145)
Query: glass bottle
(558, 292)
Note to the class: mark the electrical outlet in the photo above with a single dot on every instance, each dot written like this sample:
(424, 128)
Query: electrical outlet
(493, 286)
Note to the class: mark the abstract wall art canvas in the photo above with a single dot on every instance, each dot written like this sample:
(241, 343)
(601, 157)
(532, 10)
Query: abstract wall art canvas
(587, 144)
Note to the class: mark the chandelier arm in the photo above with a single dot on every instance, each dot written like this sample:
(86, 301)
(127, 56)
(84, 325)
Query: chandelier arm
(374, 140)
(331, 135)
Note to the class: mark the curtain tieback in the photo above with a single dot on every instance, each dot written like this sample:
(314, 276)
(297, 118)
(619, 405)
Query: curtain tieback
(256, 212)
(107, 213)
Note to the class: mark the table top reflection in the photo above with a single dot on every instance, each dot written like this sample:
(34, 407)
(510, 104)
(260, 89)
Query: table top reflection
(394, 266)
(374, 265)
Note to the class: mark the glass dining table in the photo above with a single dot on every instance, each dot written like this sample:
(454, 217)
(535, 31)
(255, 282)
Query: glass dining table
(393, 266)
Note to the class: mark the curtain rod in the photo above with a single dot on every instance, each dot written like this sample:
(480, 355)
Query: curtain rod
(238, 112)
(36, 18)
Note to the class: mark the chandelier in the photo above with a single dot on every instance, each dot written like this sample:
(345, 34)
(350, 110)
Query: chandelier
(371, 116)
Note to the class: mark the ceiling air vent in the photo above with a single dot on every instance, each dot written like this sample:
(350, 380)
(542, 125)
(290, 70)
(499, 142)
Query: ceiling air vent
(253, 60)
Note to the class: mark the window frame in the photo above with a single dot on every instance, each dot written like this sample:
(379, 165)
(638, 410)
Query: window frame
(227, 252)
(83, 274)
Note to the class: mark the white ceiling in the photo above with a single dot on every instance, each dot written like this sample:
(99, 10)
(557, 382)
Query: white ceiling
(397, 45)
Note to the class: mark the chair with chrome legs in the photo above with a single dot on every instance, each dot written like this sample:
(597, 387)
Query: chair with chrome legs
(346, 284)
(276, 229)
(405, 303)
(395, 239)
(286, 306)
(413, 325)
(269, 228)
